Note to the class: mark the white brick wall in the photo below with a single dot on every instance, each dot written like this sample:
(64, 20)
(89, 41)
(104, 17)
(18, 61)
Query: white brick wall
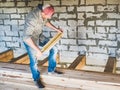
(91, 2)
(105, 22)
(85, 9)
(108, 8)
(91, 27)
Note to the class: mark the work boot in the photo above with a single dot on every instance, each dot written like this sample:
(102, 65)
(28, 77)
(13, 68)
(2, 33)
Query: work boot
(39, 83)
(56, 72)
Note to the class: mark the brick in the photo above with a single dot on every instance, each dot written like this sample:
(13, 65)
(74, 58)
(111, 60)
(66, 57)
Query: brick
(113, 1)
(2, 44)
(70, 2)
(87, 42)
(85, 9)
(72, 23)
(21, 22)
(92, 16)
(118, 63)
(11, 33)
(21, 4)
(118, 24)
(96, 59)
(2, 33)
(112, 51)
(24, 10)
(106, 22)
(111, 36)
(97, 36)
(80, 15)
(21, 33)
(63, 47)
(69, 54)
(74, 48)
(92, 2)
(113, 30)
(53, 2)
(0, 11)
(82, 35)
(97, 50)
(91, 23)
(60, 9)
(68, 41)
(101, 30)
(118, 56)
(17, 39)
(4, 16)
(15, 16)
(80, 22)
(70, 9)
(10, 22)
(119, 7)
(110, 8)
(11, 4)
(6, 38)
(19, 51)
(10, 10)
(15, 28)
(12, 44)
(67, 16)
(107, 43)
(113, 15)
(47, 34)
(34, 3)
(4, 27)
(82, 2)
(62, 23)
(72, 34)
(82, 49)
(68, 60)
(85, 29)
(1, 21)
(118, 37)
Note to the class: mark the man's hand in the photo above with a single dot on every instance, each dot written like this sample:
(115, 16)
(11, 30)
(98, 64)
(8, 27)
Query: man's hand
(38, 54)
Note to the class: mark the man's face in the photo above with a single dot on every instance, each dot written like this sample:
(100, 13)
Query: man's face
(49, 15)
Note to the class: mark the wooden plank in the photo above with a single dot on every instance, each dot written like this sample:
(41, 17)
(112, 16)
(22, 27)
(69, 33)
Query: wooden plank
(78, 63)
(6, 56)
(52, 42)
(22, 59)
(83, 80)
(111, 65)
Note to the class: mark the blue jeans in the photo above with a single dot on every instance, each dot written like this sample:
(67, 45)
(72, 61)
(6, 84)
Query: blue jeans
(33, 61)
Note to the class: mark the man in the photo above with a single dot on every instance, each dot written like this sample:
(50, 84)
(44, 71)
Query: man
(35, 21)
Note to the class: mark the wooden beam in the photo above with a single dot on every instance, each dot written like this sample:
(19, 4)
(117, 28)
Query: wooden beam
(6, 56)
(83, 80)
(111, 65)
(52, 42)
(22, 59)
(78, 63)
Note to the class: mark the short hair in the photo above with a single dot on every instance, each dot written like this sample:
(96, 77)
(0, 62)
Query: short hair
(48, 9)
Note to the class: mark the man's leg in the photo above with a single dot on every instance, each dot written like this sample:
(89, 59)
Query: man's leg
(33, 67)
(52, 55)
(52, 59)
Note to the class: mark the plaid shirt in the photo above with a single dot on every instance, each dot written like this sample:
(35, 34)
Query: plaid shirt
(33, 25)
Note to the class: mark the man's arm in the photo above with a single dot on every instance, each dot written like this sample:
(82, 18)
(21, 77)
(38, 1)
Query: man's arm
(30, 42)
(53, 27)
